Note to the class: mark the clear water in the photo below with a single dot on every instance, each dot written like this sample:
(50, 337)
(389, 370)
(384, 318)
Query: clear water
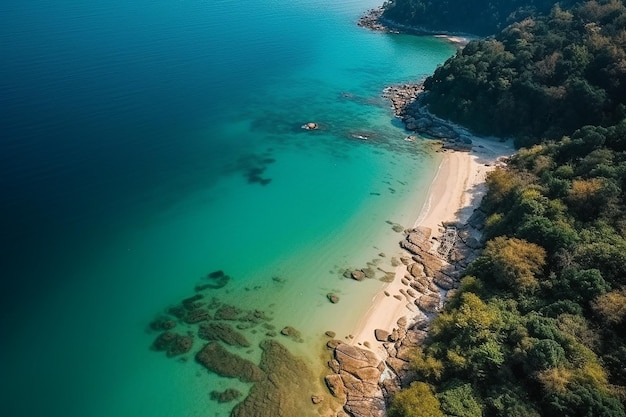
(130, 135)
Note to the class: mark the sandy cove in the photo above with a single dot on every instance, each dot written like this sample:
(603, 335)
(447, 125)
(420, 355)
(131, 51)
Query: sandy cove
(455, 192)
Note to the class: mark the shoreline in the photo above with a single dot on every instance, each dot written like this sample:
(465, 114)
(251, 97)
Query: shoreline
(373, 20)
(454, 194)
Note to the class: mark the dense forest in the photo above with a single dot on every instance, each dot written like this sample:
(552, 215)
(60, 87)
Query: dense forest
(538, 325)
(478, 17)
(543, 77)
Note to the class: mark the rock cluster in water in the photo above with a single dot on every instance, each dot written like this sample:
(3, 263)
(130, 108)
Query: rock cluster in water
(212, 332)
(362, 380)
(408, 103)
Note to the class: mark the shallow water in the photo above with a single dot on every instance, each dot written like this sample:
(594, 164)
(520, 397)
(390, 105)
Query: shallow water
(146, 144)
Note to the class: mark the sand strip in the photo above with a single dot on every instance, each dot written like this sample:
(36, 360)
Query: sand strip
(456, 190)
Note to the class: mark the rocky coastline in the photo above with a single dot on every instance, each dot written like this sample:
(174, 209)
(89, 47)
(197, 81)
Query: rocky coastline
(365, 381)
(408, 104)
(373, 20)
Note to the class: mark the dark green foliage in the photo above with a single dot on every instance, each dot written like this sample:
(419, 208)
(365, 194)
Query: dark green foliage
(480, 17)
(582, 401)
(542, 77)
(459, 400)
(538, 325)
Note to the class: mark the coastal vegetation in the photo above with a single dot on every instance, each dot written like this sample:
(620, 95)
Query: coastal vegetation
(542, 77)
(479, 17)
(538, 324)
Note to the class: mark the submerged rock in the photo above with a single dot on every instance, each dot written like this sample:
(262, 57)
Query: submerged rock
(291, 333)
(223, 332)
(220, 361)
(357, 275)
(287, 390)
(333, 298)
(226, 396)
(173, 344)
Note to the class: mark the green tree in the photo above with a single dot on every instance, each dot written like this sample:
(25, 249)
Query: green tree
(459, 400)
(416, 401)
(515, 263)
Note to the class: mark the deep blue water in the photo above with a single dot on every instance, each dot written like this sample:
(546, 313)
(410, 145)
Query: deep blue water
(130, 133)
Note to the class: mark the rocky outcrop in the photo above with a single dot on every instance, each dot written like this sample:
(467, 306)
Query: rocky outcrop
(173, 344)
(356, 380)
(223, 332)
(225, 396)
(287, 389)
(292, 333)
(362, 380)
(408, 103)
(220, 361)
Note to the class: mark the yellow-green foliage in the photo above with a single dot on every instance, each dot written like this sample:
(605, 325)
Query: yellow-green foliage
(416, 401)
(516, 262)
(611, 307)
(426, 365)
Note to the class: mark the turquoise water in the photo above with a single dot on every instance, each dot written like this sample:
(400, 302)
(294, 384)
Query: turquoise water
(146, 144)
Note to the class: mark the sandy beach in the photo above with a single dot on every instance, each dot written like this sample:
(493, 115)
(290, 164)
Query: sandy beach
(455, 192)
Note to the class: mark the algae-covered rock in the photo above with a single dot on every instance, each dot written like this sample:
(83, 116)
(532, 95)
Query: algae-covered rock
(287, 390)
(223, 332)
(219, 360)
(173, 344)
(227, 312)
(230, 394)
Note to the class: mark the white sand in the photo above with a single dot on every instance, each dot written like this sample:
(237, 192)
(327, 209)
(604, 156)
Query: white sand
(456, 190)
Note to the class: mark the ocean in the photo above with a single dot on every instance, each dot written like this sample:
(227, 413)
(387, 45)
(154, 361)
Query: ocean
(147, 144)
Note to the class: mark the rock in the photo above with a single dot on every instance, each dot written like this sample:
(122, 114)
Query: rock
(444, 282)
(218, 279)
(330, 333)
(191, 303)
(369, 272)
(334, 366)
(335, 385)
(220, 361)
(286, 390)
(402, 322)
(398, 366)
(316, 399)
(333, 298)
(223, 332)
(162, 323)
(473, 243)
(291, 333)
(393, 337)
(310, 126)
(388, 277)
(197, 316)
(358, 275)
(333, 343)
(381, 335)
(227, 312)
(416, 270)
(173, 344)
(226, 396)
(164, 340)
(182, 344)
(428, 303)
